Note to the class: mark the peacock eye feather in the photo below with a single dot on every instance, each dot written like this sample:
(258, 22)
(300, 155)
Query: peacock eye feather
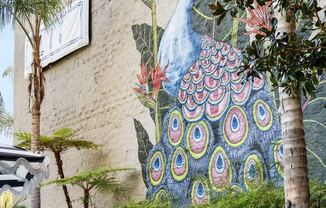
(235, 127)
(179, 164)
(219, 171)
(253, 172)
(200, 192)
(157, 168)
(262, 115)
(175, 127)
(197, 139)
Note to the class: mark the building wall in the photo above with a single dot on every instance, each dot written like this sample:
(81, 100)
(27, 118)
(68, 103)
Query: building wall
(90, 90)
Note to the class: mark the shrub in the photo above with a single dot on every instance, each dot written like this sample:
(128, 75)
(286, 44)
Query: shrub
(266, 196)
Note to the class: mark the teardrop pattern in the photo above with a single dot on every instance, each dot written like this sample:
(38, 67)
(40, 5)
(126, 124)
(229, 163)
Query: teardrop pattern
(236, 188)
(220, 172)
(157, 168)
(253, 172)
(175, 127)
(197, 139)
(179, 164)
(199, 192)
(262, 115)
(278, 156)
(161, 195)
(235, 127)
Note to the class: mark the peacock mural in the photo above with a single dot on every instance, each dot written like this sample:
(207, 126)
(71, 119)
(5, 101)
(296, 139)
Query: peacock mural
(219, 130)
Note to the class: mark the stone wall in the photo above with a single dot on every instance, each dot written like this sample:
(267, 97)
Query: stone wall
(90, 90)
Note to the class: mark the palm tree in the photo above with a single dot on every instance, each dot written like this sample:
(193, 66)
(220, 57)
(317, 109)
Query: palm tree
(58, 143)
(30, 14)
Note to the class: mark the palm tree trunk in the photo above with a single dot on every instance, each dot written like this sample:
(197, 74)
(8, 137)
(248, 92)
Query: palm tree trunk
(62, 176)
(296, 181)
(36, 95)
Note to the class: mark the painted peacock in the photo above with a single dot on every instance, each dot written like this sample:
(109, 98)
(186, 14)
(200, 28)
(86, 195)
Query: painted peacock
(223, 132)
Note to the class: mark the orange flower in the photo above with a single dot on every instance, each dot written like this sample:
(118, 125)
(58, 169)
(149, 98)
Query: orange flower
(158, 76)
(257, 18)
(144, 75)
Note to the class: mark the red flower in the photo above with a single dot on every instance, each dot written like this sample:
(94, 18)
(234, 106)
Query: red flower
(158, 76)
(257, 18)
(144, 75)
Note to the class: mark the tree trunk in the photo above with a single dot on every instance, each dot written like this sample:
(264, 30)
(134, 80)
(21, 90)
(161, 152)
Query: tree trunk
(62, 176)
(35, 143)
(36, 90)
(296, 182)
(86, 198)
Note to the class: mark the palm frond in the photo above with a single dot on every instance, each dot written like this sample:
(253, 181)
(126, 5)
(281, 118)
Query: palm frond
(61, 140)
(102, 179)
(8, 72)
(6, 120)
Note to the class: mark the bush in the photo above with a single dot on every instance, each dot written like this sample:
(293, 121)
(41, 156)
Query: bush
(266, 196)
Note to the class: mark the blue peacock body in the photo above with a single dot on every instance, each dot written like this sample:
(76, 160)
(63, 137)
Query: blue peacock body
(223, 132)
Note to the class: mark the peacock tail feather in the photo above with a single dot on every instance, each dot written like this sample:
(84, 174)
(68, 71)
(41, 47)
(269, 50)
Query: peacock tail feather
(223, 133)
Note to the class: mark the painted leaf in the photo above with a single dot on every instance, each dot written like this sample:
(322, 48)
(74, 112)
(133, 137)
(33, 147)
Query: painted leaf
(146, 100)
(144, 146)
(148, 3)
(143, 36)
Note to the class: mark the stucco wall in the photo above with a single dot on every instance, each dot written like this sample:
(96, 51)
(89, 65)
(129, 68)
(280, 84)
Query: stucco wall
(90, 90)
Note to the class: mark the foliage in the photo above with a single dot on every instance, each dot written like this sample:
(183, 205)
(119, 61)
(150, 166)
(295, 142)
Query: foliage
(101, 179)
(60, 141)
(143, 36)
(6, 121)
(147, 204)
(7, 72)
(266, 196)
(293, 60)
(24, 12)
(144, 146)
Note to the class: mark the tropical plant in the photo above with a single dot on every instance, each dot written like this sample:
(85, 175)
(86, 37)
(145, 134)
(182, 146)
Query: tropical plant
(30, 15)
(265, 196)
(293, 63)
(7, 72)
(101, 179)
(6, 121)
(58, 143)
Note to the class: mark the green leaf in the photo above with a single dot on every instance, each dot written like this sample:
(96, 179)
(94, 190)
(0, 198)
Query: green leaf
(143, 35)
(144, 146)
(146, 100)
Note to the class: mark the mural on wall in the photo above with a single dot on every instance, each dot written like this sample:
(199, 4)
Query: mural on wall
(214, 130)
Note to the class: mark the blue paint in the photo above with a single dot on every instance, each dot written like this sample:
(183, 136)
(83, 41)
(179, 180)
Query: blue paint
(157, 164)
(200, 190)
(252, 171)
(179, 160)
(197, 134)
(235, 124)
(219, 164)
(175, 124)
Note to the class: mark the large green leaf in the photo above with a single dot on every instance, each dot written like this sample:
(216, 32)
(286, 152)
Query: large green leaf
(143, 36)
(144, 146)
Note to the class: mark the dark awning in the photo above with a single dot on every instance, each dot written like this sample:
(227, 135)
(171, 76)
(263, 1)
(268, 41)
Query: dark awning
(21, 170)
